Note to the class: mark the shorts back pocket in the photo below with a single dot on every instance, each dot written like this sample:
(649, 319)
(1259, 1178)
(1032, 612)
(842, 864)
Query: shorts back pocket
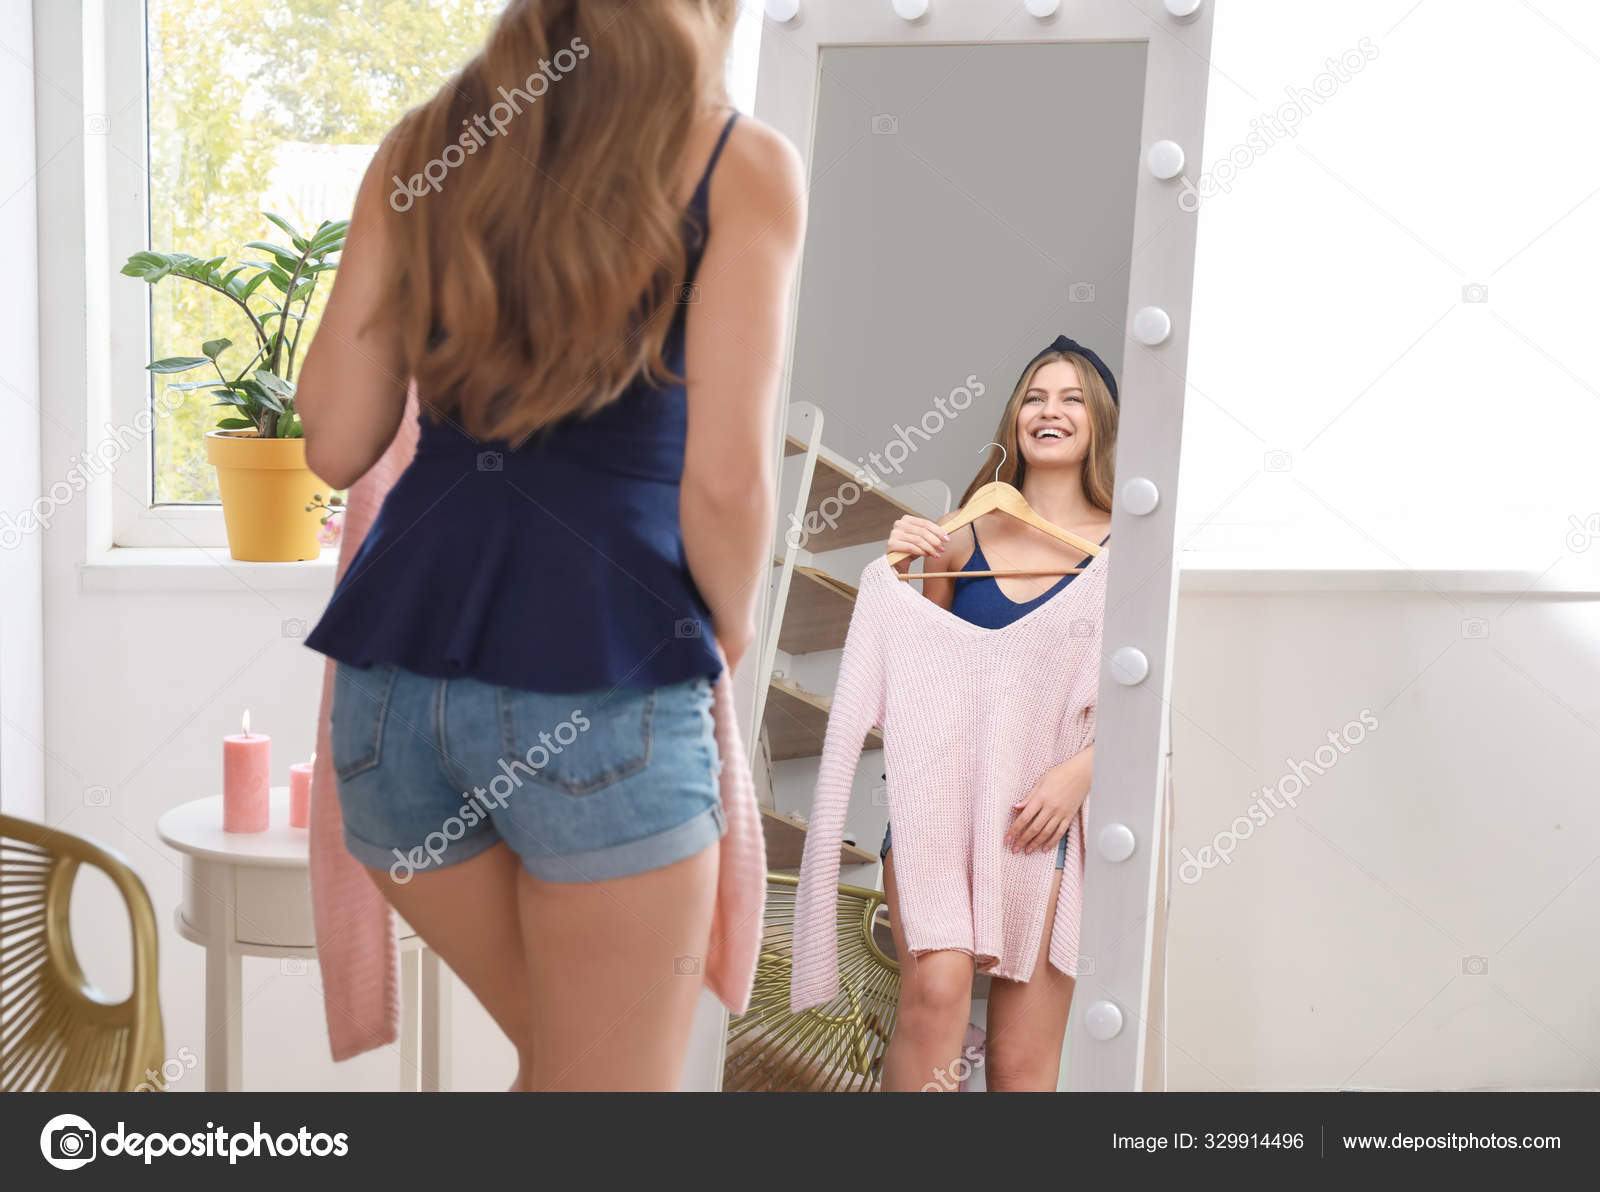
(357, 718)
(574, 744)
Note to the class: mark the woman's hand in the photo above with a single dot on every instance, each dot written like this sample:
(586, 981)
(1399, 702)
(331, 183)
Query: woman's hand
(1042, 818)
(918, 536)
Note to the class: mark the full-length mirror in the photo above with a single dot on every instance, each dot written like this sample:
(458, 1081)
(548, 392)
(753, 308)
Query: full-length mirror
(959, 409)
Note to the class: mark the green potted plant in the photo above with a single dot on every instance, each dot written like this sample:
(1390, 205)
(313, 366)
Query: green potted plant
(258, 447)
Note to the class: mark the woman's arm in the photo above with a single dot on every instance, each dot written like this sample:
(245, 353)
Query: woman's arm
(734, 346)
(351, 392)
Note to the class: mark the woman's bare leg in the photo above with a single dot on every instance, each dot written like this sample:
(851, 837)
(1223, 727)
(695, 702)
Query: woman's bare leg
(1027, 1021)
(467, 913)
(616, 968)
(935, 1006)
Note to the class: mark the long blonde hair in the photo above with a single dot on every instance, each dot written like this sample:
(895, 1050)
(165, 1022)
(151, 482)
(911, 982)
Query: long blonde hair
(534, 268)
(1099, 467)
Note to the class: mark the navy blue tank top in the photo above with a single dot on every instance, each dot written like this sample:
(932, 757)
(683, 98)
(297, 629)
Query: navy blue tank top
(556, 566)
(978, 599)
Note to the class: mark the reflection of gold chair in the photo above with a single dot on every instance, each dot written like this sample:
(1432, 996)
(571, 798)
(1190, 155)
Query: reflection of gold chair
(833, 1048)
(61, 1034)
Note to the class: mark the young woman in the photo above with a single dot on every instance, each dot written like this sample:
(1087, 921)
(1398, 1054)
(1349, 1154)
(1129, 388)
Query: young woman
(581, 258)
(1059, 430)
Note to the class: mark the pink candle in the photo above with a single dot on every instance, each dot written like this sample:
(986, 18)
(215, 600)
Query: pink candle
(300, 793)
(246, 780)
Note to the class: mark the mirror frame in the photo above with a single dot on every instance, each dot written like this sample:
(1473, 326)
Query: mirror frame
(1120, 913)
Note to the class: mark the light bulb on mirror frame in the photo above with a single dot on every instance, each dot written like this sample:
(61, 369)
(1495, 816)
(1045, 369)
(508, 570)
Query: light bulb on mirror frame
(1151, 325)
(782, 11)
(1165, 159)
(910, 10)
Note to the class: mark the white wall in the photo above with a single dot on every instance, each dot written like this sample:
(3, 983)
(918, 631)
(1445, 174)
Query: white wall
(1334, 949)
(21, 657)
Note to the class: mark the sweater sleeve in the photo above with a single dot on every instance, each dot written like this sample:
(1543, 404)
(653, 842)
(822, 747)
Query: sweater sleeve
(858, 705)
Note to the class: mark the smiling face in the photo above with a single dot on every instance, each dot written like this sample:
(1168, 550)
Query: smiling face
(1052, 420)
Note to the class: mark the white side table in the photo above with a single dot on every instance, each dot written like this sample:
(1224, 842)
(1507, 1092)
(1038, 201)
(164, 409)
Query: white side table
(249, 894)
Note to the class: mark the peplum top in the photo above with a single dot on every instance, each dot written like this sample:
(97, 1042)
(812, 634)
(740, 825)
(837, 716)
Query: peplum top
(557, 566)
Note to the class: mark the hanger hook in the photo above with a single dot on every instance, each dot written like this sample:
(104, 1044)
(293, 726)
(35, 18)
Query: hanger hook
(1002, 462)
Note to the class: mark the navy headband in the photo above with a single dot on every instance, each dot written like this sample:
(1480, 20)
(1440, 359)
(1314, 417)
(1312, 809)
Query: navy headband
(1063, 344)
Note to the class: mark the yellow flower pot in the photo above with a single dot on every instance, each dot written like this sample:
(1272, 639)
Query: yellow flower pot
(266, 487)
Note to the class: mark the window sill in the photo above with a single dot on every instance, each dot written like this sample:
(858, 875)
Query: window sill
(200, 569)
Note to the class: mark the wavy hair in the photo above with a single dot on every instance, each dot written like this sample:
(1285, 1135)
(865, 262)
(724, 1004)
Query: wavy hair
(1099, 467)
(535, 241)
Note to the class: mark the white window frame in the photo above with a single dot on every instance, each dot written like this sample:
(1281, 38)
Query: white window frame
(116, 219)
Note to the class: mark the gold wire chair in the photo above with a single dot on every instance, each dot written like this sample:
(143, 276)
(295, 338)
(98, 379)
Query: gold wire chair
(58, 1033)
(833, 1048)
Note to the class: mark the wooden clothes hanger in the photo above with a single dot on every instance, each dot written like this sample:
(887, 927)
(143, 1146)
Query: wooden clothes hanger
(1002, 496)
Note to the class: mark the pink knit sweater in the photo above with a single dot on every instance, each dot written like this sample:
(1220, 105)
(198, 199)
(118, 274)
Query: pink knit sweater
(356, 941)
(971, 719)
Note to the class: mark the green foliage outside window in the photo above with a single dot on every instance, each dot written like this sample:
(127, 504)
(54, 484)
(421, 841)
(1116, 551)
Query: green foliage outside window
(233, 88)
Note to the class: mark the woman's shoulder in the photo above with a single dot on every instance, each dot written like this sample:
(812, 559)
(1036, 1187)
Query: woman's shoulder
(760, 174)
(962, 546)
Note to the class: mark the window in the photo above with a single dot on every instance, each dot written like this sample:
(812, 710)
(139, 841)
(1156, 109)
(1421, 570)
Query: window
(1389, 364)
(252, 110)
(255, 109)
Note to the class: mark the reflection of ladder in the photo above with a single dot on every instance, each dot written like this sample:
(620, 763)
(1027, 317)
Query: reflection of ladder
(833, 1048)
(809, 610)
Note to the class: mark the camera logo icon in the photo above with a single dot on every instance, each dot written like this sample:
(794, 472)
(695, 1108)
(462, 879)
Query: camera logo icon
(490, 461)
(1475, 291)
(689, 293)
(1474, 966)
(685, 966)
(1080, 291)
(885, 125)
(1584, 531)
(67, 1142)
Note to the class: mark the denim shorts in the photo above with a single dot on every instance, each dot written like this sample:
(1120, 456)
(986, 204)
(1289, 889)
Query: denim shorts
(582, 787)
(1061, 849)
